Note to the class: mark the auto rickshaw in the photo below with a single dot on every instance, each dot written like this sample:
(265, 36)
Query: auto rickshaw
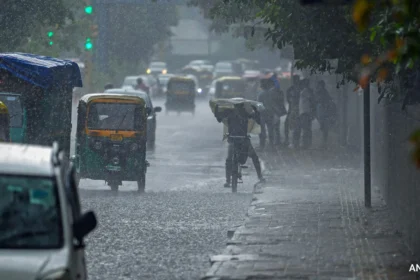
(111, 139)
(4, 123)
(230, 87)
(180, 95)
(205, 77)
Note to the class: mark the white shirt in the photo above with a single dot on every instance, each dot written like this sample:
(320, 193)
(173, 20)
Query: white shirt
(305, 101)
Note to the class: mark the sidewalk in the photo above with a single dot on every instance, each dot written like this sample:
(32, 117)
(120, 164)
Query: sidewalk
(309, 222)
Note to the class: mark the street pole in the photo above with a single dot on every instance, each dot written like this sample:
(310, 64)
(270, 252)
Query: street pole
(88, 73)
(367, 146)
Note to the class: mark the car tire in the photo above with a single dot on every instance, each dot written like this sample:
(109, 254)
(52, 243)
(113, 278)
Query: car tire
(114, 187)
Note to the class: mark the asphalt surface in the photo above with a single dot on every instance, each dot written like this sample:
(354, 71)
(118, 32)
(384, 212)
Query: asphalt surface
(170, 231)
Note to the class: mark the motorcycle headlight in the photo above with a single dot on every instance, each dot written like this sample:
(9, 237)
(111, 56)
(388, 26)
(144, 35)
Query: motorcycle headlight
(98, 145)
(134, 147)
(57, 275)
(199, 90)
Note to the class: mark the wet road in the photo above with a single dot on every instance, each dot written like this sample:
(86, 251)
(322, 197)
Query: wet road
(170, 231)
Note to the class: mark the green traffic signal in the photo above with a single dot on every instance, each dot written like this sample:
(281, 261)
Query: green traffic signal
(88, 44)
(88, 10)
(51, 43)
(50, 34)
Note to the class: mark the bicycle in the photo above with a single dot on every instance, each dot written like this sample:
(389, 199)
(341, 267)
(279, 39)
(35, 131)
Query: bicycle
(238, 157)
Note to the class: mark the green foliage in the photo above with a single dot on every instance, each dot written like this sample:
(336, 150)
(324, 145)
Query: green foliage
(20, 20)
(317, 34)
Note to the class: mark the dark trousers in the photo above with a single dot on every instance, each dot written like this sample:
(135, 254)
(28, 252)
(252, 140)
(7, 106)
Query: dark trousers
(323, 123)
(251, 153)
(286, 129)
(267, 124)
(304, 129)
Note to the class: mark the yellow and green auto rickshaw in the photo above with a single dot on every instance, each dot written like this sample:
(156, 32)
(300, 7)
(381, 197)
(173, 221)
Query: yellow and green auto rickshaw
(230, 87)
(180, 95)
(111, 139)
(4, 123)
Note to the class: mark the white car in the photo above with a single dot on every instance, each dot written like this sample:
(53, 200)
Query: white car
(212, 90)
(42, 228)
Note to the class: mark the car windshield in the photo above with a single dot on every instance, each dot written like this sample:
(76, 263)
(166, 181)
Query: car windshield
(233, 86)
(14, 106)
(113, 116)
(30, 213)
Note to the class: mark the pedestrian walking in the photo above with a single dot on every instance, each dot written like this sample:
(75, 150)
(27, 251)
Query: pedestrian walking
(278, 107)
(326, 111)
(273, 100)
(292, 97)
(306, 116)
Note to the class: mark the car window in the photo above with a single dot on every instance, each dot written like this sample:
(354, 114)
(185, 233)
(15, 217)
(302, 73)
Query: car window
(30, 213)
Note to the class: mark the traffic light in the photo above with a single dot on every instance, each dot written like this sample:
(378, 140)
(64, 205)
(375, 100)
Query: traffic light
(88, 10)
(88, 44)
(50, 37)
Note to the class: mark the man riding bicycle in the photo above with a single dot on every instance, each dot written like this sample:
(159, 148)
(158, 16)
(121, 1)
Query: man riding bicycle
(237, 122)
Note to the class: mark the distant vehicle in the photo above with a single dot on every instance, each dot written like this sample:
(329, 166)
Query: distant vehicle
(248, 64)
(198, 90)
(163, 81)
(43, 228)
(181, 95)
(130, 82)
(212, 90)
(157, 67)
(223, 68)
(202, 64)
(151, 119)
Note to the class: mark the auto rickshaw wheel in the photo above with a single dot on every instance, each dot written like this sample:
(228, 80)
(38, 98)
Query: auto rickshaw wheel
(141, 182)
(114, 187)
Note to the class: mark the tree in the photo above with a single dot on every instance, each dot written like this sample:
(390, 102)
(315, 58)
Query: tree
(317, 33)
(20, 20)
(136, 29)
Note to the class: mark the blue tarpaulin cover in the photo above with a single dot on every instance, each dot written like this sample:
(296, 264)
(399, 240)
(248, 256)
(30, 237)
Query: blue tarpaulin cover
(41, 70)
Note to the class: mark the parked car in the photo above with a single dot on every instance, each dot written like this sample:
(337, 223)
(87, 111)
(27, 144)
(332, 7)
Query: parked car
(43, 228)
(157, 67)
(151, 120)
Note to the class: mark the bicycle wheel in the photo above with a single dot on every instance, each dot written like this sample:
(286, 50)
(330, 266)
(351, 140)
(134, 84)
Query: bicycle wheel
(235, 170)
